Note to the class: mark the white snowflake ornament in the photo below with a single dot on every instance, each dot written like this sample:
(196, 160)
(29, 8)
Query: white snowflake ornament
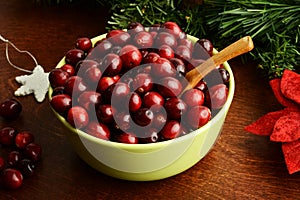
(36, 83)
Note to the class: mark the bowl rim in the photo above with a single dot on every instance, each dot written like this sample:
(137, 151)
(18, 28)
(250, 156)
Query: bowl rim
(148, 146)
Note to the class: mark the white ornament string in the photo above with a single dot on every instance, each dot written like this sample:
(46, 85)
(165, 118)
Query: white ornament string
(36, 83)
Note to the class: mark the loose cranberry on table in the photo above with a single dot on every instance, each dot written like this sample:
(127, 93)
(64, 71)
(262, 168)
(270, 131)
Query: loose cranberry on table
(11, 178)
(10, 109)
(23, 138)
(7, 136)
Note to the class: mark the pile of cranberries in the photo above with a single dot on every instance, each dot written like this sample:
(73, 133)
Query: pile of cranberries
(127, 87)
(22, 152)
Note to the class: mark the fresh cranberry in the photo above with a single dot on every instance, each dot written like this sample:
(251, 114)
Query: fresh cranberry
(112, 64)
(175, 108)
(131, 56)
(33, 151)
(105, 113)
(193, 97)
(92, 76)
(113, 33)
(169, 87)
(58, 90)
(85, 44)
(14, 157)
(75, 85)
(142, 83)
(84, 65)
(207, 45)
(23, 138)
(171, 130)
(201, 52)
(116, 50)
(143, 117)
(151, 57)
(143, 40)
(183, 52)
(151, 135)
(123, 121)
(198, 116)
(98, 130)
(68, 68)
(135, 27)
(218, 95)
(2, 163)
(58, 77)
(100, 50)
(26, 167)
(73, 56)
(165, 38)
(104, 83)
(7, 136)
(135, 102)
(120, 38)
(160, 120)
(90, 100)
(178, 65)
(12, 178)
(10, 109)
(153, 100)
(225, 75)
(116, 93)
(162, 68)
(165, 51)
(127, 138)
(186, 42)
(172, 28)
(202, 86)
(61, 103)
(78, 117)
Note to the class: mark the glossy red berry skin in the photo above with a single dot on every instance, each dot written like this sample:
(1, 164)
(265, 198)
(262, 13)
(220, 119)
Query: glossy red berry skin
(218, 95)
(153, 100)
(169, 87)
(135, 102)
(183, 52)
(84, 43)
(175, 108)
(142, 83)
(143, 117)
(7, 136)
(104, 83)
(58, 77)
(165, 38)
(14, 157)
(123, 121)
(61, 103)
(118, 37)
(151, 135)
(171, 130)
(90, 100)
(179, 66)
(143, 40)
(172, 28)
(92, 76)
(75, 86)
(73, 56)
(127, 138)
(131, 56)
(23, 138)
(151, 57)
(69, 69)
(84, 65)
(78, 117)
(105, 113)
(207, 45)
(162, 68)
(33, 151)
(2, 164)
(112, 64)
(193, 97)
(10, 109)
(12, 178)
(135, 27)
(98, 130)
(165, 51)
(26, 167)
(198, 116)
(186, 42)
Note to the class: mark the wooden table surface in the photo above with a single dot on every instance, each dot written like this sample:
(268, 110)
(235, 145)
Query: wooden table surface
(240, 166)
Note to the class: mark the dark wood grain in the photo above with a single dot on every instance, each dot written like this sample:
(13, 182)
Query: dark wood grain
(240, 166)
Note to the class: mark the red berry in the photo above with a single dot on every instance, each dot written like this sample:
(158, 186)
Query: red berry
(175, 108)
(162, 68)
(128, 138)
(151, 57)
(130, 56)
(98, 130)
(143, 117)
(69, 69)
(33, 151)
(123, 121)
(89, 100)
(193, 97)
(118, 37)
(183, 52)
(135, 27)
(172, 28)
(12, 178)
(143, 39)
(112, 64)
(198, 116)
(14, 157)
(85, 44)
(165, 38)
(207, 45)
(73, 56)
(75, 86)
(78, 117)
(92, 76)
(218, 95)
(10, 109)
(104, 83)
(84, 65)
(165, 51)
(171, 130)
(2, 163)
(58, 77)
(23, 139)
(61, 103)
(7, 136)
(169, 87)
(178, 65)
(151, 135)
(153, 100)
(135, 102)
(27, 167)
(105, 113)
(142, 83)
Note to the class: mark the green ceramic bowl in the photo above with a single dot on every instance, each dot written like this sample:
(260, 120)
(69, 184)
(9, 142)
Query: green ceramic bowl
(146, 162)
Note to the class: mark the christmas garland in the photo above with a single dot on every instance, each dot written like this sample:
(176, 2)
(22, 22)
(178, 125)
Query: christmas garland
(274, 25)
